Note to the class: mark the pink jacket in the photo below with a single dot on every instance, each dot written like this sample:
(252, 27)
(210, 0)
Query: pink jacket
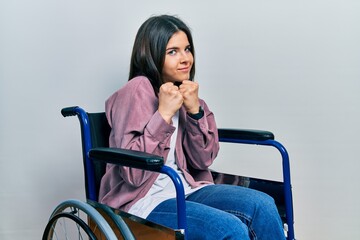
(136, 124)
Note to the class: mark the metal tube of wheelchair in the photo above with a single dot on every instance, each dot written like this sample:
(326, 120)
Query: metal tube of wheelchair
(87, 146)
(287, 189)
(180, 196)
(286, 178)
(85, 125)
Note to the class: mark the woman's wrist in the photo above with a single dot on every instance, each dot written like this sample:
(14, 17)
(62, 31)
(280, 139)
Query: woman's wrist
(166, 116)
(198, 115)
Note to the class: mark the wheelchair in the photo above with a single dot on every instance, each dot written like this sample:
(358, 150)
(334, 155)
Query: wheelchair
(98, 221)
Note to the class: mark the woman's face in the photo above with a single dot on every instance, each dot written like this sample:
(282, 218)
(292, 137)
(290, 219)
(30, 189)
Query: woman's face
(178, 59)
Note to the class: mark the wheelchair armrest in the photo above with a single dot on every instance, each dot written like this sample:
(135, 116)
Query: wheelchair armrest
(127, 158)
(245, 134)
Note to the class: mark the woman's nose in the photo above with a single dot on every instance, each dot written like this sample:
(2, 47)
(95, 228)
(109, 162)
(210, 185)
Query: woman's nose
(185, 56)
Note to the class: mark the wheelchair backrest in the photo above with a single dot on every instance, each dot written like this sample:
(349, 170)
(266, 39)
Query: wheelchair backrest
(99, 133)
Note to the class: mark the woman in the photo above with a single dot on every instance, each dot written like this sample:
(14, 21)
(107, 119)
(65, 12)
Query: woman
(158, 111)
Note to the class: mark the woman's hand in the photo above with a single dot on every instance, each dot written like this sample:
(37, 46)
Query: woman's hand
(189, 91)
(170, 100)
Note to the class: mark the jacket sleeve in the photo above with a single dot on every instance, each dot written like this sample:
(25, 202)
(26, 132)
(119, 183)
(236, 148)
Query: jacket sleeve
(201, 140)
(137, 125)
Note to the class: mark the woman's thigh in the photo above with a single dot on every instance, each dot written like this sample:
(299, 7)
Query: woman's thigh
(232, 198)
(255, 209)
(203, 222)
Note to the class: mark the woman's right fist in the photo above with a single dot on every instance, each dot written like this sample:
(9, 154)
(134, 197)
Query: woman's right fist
(170, 101)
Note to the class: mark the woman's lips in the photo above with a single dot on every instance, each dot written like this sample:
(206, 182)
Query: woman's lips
(185, 69)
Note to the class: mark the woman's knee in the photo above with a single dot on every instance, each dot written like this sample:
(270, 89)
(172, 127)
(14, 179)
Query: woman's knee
(203, 222)
(267, 203)
(219, 226)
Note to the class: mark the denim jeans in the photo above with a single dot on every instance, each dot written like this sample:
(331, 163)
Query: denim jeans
(224, 212)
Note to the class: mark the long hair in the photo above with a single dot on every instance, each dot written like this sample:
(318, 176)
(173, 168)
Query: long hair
(149, 49)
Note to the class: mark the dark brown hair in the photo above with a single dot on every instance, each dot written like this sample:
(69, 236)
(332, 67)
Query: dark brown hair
(149, 49)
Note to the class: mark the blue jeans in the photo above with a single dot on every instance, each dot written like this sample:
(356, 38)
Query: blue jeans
(224, 212)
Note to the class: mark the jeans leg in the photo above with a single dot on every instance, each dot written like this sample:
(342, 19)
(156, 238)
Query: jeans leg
(256, 209)
(204, 222)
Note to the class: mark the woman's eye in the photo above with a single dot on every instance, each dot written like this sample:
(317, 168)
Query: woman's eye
(188, 49)
(172, 52)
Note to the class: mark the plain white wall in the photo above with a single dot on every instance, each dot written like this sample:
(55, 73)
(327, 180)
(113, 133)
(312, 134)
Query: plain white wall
(291, 67)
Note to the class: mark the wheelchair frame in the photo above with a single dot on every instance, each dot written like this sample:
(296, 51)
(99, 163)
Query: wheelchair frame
(156, 163)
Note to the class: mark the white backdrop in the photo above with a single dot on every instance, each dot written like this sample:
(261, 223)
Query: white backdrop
(291, 67)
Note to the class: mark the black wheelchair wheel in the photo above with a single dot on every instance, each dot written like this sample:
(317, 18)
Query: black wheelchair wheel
(73, 219)
(60, 224)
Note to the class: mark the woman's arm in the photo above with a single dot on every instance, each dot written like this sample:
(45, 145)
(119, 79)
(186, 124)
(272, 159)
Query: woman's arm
(201, 140)
(137, 125)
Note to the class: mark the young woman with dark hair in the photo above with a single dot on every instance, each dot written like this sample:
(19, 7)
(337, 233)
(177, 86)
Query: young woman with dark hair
(158, 111)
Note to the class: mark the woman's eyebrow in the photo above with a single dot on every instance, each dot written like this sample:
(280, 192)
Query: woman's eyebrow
(177, 48)
(172, 48)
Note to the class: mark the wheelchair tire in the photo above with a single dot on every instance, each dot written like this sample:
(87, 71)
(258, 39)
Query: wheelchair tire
(51, 232)
(71, 219)
(117, 220)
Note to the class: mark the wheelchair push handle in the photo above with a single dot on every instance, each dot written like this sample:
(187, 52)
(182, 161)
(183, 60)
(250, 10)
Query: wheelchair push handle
(69, 111)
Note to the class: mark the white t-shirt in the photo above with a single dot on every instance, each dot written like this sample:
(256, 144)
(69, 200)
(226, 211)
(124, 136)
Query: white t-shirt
(163, 187)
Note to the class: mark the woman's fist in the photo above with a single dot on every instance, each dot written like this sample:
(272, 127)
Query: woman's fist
(170, 100)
